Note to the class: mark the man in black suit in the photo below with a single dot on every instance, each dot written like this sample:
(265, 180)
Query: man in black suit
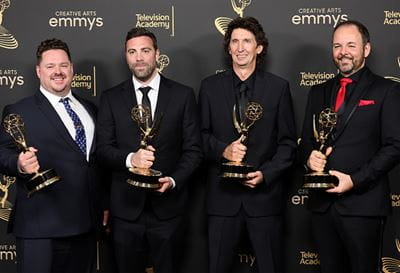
(255, 204)
(348, 219)
(145, 220)
(54, 226)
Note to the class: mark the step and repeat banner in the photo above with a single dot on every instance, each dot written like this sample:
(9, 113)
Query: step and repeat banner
(190, 40)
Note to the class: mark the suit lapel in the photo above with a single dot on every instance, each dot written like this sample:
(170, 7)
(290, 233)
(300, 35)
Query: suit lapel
(129, 95)
(227, 86)
(47, 109)
(365, 80)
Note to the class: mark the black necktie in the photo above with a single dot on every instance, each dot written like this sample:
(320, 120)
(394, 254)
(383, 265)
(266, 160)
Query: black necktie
(242, 100)
(145, 99)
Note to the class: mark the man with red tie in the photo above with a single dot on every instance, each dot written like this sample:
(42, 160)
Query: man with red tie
(348, 219)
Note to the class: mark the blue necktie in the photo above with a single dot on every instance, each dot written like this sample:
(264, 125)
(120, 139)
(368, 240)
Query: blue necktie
(80, 137)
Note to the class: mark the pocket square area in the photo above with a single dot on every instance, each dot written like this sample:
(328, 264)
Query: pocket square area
(366, 102)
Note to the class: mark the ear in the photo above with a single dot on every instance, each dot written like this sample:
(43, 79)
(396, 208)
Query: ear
(259, 49)
(38, 71)
(367, 50)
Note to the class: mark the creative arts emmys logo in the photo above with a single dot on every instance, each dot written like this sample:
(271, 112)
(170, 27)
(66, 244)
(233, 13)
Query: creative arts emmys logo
(391, 265)
(248, 259)
(395, 200)
(299, 198)
(221, 23)
(5, 205)
(162, 62)
(319, 16)
(76, 19)
(396, 79)
(7, 40)
(157, 20)
(10, 78)
(86, 81)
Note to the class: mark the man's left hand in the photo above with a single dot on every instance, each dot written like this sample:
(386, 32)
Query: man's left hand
(166, 184)
(254, 178)
(345, 182)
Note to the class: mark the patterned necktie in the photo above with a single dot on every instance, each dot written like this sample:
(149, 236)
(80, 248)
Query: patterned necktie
(80, 136)
(145, 99)
(342, 92)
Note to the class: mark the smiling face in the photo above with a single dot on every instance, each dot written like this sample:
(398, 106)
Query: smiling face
(348, 50)
(243, 49)
(55, 72)
(141, 57)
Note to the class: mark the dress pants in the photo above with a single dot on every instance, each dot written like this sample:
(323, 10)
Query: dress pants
(133, 241)
(347, 244)
(265, 234)
(56, 255)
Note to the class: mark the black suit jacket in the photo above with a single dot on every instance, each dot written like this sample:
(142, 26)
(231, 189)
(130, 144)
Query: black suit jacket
(366, 143)
(67, 207)
(177, 144)
(270, 148)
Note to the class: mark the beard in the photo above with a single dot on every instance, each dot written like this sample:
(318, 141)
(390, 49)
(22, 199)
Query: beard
(352, 65)
(143, 74)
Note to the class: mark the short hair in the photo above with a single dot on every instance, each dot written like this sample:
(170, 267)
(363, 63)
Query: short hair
(251, 24)
(361, 28)
(51, 44)
(140, 31)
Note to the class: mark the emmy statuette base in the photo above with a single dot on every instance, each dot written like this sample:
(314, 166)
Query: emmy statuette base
(235, 171)
(41, 180)
(320, 180)
(144, 178)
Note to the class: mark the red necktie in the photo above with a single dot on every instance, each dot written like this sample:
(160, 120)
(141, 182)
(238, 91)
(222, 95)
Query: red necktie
(342, 92)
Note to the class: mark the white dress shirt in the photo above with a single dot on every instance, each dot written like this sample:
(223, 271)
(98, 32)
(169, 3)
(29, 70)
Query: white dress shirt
(86, 119)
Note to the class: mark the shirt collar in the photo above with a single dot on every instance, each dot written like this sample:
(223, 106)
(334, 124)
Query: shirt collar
(54, 99)
(154, 83)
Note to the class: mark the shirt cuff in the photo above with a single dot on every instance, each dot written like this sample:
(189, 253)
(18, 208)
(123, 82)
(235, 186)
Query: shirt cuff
(173, 182)
(128, 161)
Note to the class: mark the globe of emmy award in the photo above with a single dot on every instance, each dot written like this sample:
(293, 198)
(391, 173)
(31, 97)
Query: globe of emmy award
(238, 170)
(144, 177)
(15, 127)
(326, 124)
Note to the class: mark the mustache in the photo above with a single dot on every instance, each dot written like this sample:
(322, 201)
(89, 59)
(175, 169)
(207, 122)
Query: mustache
(57, 75)
(344, 56)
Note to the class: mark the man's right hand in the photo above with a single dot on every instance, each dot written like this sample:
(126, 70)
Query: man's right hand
(143, 158)
(27, 161)
(317, 160)
(235, 151)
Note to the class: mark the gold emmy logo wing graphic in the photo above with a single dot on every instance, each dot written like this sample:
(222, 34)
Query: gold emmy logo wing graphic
(5, 206)
(391, 265)
(221, 23)
(7, 40)
(396, 79)
(162, 62)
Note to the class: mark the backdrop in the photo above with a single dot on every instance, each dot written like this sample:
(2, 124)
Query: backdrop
(190, 40)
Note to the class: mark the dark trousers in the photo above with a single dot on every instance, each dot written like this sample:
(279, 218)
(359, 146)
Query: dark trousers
(133, 241)
(347, 244)
(265, 234)
(56, 255)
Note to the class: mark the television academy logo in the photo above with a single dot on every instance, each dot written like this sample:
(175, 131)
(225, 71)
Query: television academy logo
(221, 23)
(157, 20)
(7, 40)
(393, 78)
(391, 265)
(86, 81)
(5, 205)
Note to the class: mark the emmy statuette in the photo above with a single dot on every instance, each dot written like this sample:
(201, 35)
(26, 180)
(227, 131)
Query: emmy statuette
(327, 122)
(14, 126)
(238, 170)
(144, 177)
